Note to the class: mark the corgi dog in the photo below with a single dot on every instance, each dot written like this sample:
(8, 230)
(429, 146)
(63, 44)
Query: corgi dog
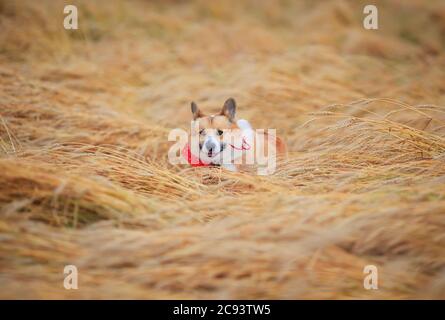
(224, 141)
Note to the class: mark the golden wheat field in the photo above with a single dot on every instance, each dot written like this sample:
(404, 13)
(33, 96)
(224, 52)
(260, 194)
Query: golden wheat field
(85, 179)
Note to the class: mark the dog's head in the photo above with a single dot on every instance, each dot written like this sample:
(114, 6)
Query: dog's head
(211, 129)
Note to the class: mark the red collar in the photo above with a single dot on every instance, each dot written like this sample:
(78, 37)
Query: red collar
(195, 161)
(244, 146)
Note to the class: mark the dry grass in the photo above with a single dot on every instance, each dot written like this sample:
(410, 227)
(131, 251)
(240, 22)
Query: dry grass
(84, 176)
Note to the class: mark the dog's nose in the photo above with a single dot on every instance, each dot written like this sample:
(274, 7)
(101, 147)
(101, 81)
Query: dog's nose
(210, 145)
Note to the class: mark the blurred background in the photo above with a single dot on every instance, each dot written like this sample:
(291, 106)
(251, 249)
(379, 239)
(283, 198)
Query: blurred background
(153, 57)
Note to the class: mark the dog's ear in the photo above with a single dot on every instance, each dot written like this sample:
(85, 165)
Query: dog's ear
(229, 109)
(196, 112)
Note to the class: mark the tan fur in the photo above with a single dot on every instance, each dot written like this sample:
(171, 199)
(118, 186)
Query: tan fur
(211, 124)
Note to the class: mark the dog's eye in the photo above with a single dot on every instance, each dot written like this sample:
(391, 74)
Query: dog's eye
(220, 132)
(201, 132)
